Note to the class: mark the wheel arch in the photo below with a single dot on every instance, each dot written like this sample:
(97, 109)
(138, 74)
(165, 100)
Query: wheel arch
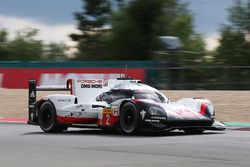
(124, 102)
(130, 128)
(54, 126)
(39, 105)
(42, 101)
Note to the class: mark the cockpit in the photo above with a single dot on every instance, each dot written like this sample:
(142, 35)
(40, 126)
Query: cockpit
(114, 95)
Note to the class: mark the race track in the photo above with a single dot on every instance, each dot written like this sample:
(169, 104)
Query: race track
(24, 145)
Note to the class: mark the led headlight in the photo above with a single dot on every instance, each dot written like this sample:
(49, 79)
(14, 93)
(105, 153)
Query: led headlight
(156, 111)
(211, 108)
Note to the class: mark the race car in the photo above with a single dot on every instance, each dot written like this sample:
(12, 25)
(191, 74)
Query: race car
(124, 104)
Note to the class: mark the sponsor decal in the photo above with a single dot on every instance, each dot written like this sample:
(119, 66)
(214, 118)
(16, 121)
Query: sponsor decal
(90, 83)
(32, 106)
(116, 113)
(159, 118)
(152, 120)
(108, 117)
(107, 111)
(76, 114)
(64, 100)
(143, 113)
(133, 81)
(80, 106)
(32, 94)
(105, 82)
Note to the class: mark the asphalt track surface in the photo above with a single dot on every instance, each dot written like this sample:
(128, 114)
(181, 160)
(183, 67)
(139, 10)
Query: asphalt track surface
(25, 145)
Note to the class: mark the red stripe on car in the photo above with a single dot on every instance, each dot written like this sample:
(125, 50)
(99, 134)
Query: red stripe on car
(73, 120)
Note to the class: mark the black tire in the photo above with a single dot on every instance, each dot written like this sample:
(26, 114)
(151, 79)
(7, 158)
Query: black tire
(193, 131)
(47, 118)
(129, 118)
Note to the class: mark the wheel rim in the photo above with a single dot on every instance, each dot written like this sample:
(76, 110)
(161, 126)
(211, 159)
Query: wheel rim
(129, 119)
(47, 117)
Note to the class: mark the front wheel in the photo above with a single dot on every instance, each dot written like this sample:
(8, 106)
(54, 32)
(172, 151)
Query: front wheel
(47, 118)
(129, 120)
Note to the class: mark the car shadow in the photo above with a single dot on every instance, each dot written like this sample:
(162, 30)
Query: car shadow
(113, 133)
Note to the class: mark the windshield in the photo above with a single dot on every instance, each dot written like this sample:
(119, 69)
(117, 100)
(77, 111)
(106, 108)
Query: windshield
(149, 95)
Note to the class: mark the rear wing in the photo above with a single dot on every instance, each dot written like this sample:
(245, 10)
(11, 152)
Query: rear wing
(33, 89)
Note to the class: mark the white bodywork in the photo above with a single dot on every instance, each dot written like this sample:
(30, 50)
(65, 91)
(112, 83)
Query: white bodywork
(85, 93)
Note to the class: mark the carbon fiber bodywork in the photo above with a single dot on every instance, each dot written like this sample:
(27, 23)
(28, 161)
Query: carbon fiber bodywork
(166, 121)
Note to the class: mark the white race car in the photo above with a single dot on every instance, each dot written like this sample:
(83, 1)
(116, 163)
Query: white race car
(124, 104)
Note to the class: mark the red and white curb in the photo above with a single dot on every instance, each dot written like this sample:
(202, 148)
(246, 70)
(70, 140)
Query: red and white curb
(13, 120)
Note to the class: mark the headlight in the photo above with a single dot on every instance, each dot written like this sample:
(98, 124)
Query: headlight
(211, 108)
(156, 111)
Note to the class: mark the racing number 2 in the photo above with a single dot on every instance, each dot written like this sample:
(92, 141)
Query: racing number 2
(107, 119)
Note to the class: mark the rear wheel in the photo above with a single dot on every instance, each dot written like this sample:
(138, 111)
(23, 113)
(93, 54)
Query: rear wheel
(129, 118)
(47, 119)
